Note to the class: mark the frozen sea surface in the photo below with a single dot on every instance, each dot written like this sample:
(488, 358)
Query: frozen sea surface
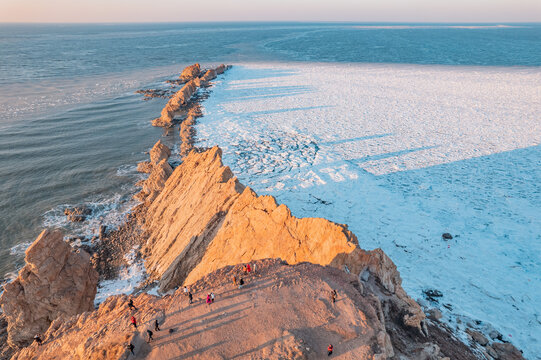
(403, 154)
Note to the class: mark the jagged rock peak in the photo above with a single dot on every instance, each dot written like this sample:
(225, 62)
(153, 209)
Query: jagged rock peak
(56, 282)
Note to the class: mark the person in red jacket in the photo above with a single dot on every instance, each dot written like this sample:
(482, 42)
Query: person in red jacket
(248, 268)
(133, 322)
(329, 350)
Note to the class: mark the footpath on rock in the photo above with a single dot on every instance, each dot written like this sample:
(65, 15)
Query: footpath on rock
(197, 226)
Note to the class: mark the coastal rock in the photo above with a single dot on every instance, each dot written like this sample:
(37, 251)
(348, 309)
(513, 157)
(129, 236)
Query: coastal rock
(434, 314)
(77, 214)
(155, 182)
(282, 312)
(209, 76)
(144, 167)
(221, 69)
(55, 283)
(190, 72)
(507, 351)
(477, 337)
(179, 99)
(159, 152)
(204, 219)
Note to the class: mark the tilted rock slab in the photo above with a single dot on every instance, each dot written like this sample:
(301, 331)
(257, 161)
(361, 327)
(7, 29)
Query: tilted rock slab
(204, 219)
(56, 283)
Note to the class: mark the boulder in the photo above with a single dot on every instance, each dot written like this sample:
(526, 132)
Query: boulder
(477, 337)
(55, 283)
(190, 72)
(78, 213)
(434, 315)
(507, 351)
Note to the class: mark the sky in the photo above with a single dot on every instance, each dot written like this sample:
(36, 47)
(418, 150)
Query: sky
(84, 11)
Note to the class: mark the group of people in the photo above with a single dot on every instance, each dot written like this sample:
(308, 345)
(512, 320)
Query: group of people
(133, 322)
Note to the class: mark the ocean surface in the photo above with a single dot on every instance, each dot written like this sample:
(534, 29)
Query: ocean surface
(440, 132)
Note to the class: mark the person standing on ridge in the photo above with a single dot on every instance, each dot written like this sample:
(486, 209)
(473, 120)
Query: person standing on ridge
(241, 283)
(133, 322)
(209, 301)
(149, 333)
(248, 268)
(190, 297)
(212, 297)
(156, 325)
(234, 281)
(131, 306)
(37, 339)
(329, 350)
(185, 290)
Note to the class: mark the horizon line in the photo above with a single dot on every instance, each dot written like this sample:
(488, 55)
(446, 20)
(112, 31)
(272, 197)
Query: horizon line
(265, 22)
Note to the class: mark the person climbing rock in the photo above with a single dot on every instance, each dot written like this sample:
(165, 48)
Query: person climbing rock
(190, 297)
(241, 283)
(130, 347)
(37, 339)
(254, 268)
(156, 325)
(329, 350)
(212, 297)
(133, 322)
(333, 296)
(131, 306)
(149, 333)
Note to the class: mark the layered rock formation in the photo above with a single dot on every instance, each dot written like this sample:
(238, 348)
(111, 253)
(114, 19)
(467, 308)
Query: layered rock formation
(55, 283)
(282, 312)
(204, 219)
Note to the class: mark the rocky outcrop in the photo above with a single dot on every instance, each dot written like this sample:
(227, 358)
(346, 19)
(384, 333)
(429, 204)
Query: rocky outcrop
(182, 97)
(77, 214)
(55, 283)
(204, 219)
(179, 99)
(209, 75)
(190, 72)
(159, 152)
(159, 171)
(282, 312)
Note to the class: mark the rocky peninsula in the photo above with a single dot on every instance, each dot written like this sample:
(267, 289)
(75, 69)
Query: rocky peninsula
(198, 226)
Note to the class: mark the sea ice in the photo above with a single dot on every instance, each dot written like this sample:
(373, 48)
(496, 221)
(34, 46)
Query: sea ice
(403, 154)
